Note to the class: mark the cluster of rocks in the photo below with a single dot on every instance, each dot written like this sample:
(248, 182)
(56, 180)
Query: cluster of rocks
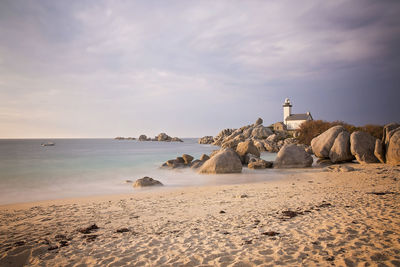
(264, 138)
(229, 160)
(162, 137)
(185, 161)
(338, 145)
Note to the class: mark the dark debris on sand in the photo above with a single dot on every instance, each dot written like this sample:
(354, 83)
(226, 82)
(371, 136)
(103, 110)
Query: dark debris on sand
(88, 230)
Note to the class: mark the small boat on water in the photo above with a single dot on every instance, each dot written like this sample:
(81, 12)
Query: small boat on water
(48, 144)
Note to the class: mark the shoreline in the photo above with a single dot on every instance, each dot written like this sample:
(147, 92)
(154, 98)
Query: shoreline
(306, 218)
(281, 173)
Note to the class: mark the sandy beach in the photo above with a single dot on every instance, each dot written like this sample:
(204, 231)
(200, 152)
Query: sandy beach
(309, 218)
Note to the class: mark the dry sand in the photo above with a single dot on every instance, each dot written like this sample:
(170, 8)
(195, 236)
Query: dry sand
(338, 220)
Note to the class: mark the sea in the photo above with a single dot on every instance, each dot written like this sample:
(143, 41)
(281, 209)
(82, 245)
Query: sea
(88, 167)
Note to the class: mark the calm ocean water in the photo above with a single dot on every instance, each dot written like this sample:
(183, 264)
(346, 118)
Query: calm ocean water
(85, 167)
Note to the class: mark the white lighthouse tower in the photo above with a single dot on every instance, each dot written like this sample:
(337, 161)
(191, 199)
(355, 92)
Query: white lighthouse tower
(287, 110)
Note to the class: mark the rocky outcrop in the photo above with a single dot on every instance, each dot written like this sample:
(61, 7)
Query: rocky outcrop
(293, 156)
(393, 149)
(225, 161)
(322, 144)
(362, 146)
(206, 140)
(247, 147)
(162, 137)
(340, 150)
(264, 138)
(143, 138)
(146, 181)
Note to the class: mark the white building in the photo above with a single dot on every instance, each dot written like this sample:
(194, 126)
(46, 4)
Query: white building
(293, 121)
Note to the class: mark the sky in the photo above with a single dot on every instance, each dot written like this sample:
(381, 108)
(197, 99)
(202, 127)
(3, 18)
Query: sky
(191, 68)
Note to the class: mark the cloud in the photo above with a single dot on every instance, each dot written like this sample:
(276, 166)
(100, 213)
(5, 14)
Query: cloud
(104, 68)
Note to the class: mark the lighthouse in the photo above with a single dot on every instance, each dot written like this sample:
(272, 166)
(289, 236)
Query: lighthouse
(287, 110)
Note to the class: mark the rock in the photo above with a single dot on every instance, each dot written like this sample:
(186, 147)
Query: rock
(163, 137)
(362, 146)
(272, 138)
(146, 181)
(321, 145)
(386, 130)
(323, 162)
(260, 164)
(261, 132)
(225, 161)
(340, 150)
(247, 147)
(214, 152)
(180, 160)
(89, 229)
(143, 138)
(204, 157)
(339, 168)
(259, 145)
(271, 146)
(248, 158)
(232, 143)
(173, 163)
(197, 164)
(378, 151)
(176, 139)
(206, 140)
(259, 121)
(247, 132)
(293, 156)
(393, 150)
(187, 159)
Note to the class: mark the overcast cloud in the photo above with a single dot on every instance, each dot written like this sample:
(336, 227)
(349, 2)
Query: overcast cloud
(191, 68)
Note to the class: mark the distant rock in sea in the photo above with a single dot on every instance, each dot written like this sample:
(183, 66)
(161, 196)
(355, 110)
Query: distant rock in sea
(162, 137)
(124, 138)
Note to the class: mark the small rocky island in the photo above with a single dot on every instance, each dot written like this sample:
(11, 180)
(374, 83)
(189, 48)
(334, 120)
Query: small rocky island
(162, 137)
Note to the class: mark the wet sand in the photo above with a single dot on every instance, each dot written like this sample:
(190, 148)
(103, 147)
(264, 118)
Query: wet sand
(308, 218)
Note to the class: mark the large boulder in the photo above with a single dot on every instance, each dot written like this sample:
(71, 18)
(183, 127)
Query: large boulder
(387, 129)
(293, 156)
(393, 150)
(247, 147)
(146, 181)
(340, 150)
(322, 144)
(362, 146)
(261, 132)
(379, 151)
(225, 161)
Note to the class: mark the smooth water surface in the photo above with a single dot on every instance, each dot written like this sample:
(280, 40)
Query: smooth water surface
(84, 167)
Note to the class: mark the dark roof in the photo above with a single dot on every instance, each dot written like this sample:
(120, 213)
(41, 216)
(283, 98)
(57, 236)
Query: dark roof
(297, 117)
